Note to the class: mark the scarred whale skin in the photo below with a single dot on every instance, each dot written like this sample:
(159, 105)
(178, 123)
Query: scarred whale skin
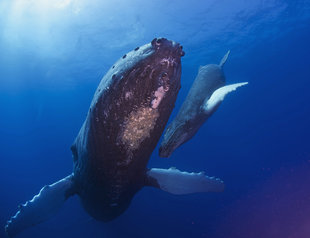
(127, 116)
(125, 121)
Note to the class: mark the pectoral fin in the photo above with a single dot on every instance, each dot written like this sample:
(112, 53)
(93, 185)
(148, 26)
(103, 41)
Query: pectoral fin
(211, 104)
(41, 207)
(177, 182)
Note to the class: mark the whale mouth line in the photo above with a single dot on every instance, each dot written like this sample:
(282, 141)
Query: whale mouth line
(169, 145)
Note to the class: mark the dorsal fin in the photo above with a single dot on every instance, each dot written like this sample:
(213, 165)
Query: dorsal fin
(224, 59)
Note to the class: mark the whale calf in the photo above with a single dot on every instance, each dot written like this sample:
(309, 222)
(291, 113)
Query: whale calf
(203, 99)
(126, 118)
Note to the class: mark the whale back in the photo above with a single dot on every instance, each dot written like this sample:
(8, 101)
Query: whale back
(190, 116)
(209, 78)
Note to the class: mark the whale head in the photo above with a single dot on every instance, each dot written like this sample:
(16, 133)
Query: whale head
(175, 136)
(177, 133)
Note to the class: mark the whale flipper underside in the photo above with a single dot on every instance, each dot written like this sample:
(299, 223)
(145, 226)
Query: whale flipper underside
(177, 182)
(41, 207)
(212, 103)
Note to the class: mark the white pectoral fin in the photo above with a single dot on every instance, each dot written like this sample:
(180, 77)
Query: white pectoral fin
(218, 96)
(41, 207)
(177, 182)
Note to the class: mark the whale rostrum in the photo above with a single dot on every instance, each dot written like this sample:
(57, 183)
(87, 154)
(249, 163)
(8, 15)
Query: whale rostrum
(205, 96)
(126, 118)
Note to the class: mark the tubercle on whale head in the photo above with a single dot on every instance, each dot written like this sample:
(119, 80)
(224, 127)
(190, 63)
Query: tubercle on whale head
(167, 64)
(163, 43)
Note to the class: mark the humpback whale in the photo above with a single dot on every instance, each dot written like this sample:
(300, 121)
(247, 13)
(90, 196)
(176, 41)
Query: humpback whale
(206, 94)
(126, 118)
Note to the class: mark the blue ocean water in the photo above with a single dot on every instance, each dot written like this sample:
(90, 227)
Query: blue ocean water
(52, 57)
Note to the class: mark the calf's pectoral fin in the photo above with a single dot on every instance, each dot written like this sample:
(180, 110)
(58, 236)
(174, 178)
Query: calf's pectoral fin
(212, 103)
(42, 206)
(177, 182)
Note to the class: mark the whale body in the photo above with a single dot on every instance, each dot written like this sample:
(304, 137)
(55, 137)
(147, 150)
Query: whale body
(126, 118)
(206, 94)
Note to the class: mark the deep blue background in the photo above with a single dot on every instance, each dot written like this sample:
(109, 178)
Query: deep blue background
(52, 57)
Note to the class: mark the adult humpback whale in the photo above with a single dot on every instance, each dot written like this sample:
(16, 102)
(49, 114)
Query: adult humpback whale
(204, 97)
(126, 118)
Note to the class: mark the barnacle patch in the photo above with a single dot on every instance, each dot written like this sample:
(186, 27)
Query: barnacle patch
(138, 125)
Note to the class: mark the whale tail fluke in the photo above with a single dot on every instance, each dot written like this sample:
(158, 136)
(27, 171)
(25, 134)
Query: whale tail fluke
(211, 104)
(177, 182)
(41, 207)
(223, 61)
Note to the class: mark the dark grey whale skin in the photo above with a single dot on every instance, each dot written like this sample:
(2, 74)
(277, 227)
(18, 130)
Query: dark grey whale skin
(190, 116)
(107, 171)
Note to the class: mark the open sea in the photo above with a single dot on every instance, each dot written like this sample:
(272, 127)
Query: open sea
(53, 55)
